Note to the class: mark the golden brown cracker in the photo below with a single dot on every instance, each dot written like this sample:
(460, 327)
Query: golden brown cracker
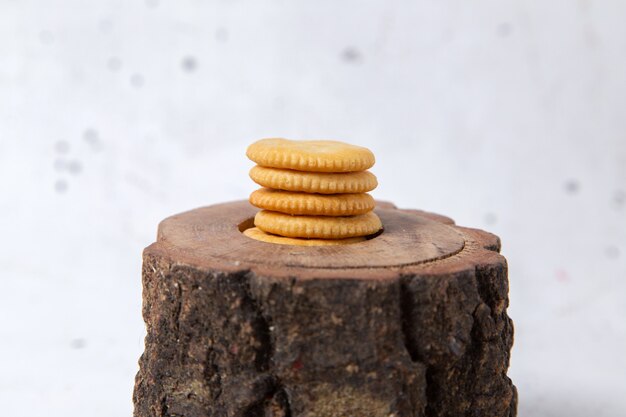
(312, 204)
(260, 235)
(317, 226)
(314, 182)
(310, 155)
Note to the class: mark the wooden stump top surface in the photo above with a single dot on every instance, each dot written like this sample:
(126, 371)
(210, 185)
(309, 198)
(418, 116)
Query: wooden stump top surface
(210, 238)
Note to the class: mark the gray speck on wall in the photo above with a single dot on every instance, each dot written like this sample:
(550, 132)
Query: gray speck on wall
(490, 218)
(136, 80)
(504, 29)
(612, 252)
(78, 343)
(189, 64)
(572, 186)
(114, 64)
(105, 25)
(90, 135)
(351, 55)
(62, 147)
(619, 198)
(60, 186)
(74, 167)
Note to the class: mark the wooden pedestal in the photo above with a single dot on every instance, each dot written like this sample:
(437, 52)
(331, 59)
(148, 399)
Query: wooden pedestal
(411, 323)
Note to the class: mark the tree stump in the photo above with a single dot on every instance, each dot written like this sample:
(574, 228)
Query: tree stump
(410, 323)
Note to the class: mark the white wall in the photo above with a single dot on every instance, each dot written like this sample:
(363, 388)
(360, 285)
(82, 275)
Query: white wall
(508, 116)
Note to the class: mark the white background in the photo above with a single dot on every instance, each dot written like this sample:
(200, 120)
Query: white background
(506, 115)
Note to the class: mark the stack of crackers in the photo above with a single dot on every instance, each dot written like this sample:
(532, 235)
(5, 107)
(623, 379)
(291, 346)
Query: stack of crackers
(315, 192)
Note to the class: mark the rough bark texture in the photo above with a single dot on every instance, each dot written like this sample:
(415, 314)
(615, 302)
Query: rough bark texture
(241, 338)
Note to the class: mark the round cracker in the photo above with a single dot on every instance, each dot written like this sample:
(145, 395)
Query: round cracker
(260, 235)
(310, 155)
(317, 226)
(312, 204)
(314, 182)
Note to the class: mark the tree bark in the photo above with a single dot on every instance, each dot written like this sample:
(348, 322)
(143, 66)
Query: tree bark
(411, 323)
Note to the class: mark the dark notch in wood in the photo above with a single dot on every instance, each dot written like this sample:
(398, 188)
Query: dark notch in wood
(212, 374)
(406, 311)
(275, 403)
(260, 325)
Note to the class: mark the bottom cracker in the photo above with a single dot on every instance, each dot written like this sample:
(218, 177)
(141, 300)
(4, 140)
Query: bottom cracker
(260, 235)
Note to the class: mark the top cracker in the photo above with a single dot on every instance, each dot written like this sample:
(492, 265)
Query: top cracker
(310, 155)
